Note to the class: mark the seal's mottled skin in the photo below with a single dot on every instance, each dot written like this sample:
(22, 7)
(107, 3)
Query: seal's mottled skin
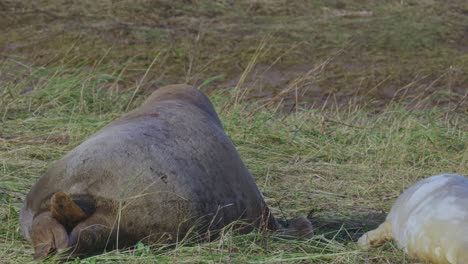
(429, 221)
(159, 172)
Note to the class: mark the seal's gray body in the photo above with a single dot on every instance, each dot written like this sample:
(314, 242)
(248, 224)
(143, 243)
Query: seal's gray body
(161, 169)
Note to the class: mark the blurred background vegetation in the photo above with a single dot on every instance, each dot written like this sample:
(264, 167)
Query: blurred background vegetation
(365, 51)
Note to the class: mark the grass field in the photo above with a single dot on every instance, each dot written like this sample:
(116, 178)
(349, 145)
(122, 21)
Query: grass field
(334, 106)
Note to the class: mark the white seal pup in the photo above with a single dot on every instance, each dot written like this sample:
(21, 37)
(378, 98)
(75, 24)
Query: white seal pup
(429, 221)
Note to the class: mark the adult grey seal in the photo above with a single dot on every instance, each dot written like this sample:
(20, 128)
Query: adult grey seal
(164, 171)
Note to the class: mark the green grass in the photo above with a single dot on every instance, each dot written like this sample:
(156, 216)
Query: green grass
(335, 106)
(392, 45)
(341, 167)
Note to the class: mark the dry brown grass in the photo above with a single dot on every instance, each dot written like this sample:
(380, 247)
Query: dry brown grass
(340, 167)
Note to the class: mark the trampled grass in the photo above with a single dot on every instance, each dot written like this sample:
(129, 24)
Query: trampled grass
(341, 167)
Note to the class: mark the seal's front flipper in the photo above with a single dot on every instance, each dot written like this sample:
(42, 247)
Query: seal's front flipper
(376, 237)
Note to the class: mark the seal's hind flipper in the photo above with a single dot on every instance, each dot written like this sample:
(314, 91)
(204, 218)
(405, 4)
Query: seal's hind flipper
(48, 235)
(299, 227)
(66, 211)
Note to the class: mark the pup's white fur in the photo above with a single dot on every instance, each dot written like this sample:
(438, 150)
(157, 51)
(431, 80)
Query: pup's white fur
(429, 221)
